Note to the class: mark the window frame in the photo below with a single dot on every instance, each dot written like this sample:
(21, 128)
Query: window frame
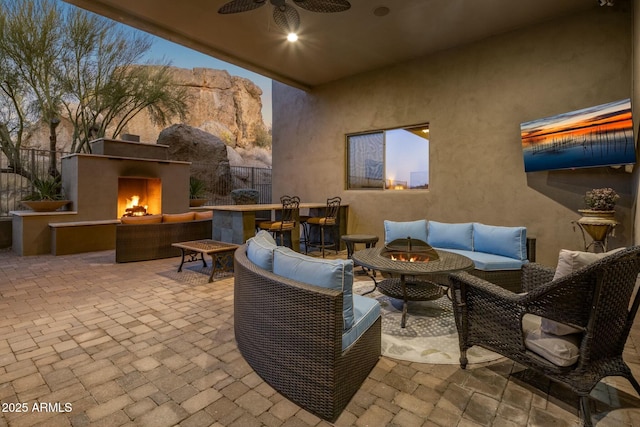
(384, 180)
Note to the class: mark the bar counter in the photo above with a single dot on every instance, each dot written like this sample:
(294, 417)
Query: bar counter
(237, 223)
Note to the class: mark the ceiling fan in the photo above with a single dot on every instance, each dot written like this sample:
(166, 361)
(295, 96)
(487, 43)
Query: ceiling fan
(285, 15)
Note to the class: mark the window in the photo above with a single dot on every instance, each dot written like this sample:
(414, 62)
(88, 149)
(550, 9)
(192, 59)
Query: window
(393, 159)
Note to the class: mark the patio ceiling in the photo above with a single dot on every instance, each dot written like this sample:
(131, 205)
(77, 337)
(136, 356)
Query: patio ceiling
(335, 45)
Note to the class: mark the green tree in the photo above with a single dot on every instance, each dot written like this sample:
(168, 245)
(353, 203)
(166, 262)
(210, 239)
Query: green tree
(30, 46)
(60, 62)
(104, 86)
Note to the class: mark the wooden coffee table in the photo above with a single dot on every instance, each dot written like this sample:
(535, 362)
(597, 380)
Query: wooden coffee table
(221, 254)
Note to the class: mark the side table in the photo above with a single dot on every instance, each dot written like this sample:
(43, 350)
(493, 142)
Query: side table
(350, 240)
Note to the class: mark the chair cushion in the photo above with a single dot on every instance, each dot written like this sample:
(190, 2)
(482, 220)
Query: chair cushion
(451, 236)
(365, 313)
(320, 220)
(559, 350)
(488, 262)
(401, 230)
(260, 250)
(568, 262)
(506, 241)
(276, 225)
(181, 217)
(145, 219)
(203, 215)
(333, 274)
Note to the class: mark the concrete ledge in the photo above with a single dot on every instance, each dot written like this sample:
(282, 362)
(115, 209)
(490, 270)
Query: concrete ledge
(5, 232)
(83, 223)
(82, 236)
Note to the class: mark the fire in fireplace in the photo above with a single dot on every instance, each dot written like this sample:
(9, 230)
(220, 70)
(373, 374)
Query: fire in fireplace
(134, 208)
(139, 196)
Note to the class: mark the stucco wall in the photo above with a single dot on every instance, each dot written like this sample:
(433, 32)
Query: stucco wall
(635, 105)
(474, 98)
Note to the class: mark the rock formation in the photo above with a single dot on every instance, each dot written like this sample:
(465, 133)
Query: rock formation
(226, 106)
(207, 152)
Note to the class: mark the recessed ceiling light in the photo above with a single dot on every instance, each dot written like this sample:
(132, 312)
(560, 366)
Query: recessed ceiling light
(381, 11)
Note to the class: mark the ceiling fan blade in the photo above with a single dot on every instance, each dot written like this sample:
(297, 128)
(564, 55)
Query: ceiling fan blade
(287, 18)
(237, 6)
(325, 6)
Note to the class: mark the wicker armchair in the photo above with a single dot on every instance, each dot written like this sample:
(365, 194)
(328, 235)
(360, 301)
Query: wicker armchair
(290, 333)
(597, 299)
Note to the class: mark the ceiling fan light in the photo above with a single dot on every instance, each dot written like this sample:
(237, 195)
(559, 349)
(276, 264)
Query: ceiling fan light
(288, 19)
(292, 37)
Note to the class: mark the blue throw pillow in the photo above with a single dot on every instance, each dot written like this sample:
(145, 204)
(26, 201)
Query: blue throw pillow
(401, 230)
(333, 274)
(260, 250)
(506, 241)
(451, 236)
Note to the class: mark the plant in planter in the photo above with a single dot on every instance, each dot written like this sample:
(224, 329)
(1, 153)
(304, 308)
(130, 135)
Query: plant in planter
(599, 218)
(197, 192)
(46, 195)
(601, 199)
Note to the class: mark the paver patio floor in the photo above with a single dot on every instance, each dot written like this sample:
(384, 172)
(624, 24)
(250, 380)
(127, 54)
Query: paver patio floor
(86, 341)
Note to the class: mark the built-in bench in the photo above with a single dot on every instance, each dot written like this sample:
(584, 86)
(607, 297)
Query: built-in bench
(150, 237)
(82, 236)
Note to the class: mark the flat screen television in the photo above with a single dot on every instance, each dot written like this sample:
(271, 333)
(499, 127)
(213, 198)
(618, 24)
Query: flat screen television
(591, 137)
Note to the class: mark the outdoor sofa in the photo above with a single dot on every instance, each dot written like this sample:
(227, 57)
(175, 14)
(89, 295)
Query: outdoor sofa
(150, 237)
(498, 252)
(299, 326)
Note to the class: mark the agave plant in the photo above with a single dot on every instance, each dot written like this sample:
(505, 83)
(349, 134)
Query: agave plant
(46, 189)
(197, 188)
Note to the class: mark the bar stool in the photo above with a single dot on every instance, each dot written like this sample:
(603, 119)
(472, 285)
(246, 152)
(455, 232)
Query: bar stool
(286, 223)
(330, 220)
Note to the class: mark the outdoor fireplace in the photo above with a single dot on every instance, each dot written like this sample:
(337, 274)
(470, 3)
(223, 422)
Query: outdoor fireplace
(138, 196)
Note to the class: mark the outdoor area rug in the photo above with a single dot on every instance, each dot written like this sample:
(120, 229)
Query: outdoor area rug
(430, 335)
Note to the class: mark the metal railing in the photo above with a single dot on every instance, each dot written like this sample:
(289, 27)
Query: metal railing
(219, 191)
(15, 179)
(36, 164)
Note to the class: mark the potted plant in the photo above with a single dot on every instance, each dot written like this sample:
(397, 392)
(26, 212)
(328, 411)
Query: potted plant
(197, 192)
(599, 218)
(601, 199)
(46, 195)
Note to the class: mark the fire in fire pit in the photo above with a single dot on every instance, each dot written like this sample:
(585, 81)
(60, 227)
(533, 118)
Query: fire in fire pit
(409, 250)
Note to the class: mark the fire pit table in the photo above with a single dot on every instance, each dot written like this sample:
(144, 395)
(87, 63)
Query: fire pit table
(417, 271)
(221, 254)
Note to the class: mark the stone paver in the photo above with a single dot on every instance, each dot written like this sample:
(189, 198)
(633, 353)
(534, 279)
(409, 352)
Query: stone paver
(138, 344)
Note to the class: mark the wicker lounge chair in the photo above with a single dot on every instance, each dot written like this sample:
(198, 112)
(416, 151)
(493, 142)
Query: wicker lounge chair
(290, 334)
(597, 300)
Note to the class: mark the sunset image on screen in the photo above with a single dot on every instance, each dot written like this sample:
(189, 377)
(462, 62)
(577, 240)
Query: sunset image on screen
(595, 136)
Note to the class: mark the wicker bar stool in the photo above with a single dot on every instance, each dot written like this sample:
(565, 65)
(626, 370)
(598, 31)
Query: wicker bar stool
(286, 223)
(330, 221)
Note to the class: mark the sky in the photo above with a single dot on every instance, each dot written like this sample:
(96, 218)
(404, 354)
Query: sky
(183, 57)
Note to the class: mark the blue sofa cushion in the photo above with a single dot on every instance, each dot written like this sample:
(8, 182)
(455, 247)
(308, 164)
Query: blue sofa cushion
(365, 311)
(451, 236)
(489, 262)
(333, 274)
(260, 250)
(401, 230)
(506, 241)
